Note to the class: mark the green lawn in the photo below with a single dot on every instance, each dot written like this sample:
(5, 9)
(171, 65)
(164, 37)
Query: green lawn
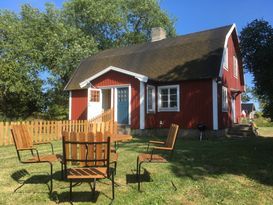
(223, 171)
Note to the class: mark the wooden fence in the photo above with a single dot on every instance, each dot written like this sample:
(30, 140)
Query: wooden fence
(43, 131)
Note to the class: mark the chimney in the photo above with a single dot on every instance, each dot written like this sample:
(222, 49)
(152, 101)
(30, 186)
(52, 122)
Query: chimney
(158, 34)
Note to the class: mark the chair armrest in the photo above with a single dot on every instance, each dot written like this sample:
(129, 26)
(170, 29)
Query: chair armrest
(31, 149)
(163, 148)
(153, 142)
(41, 143)
(156, 142)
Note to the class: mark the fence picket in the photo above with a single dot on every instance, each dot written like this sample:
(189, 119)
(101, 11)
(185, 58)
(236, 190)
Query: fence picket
(43, 131)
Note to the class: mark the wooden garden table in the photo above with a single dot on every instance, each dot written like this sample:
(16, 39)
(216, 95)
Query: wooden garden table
(120, 138)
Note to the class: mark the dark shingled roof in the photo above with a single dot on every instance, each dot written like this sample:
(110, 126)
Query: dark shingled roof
(192, 56)
(248, 107)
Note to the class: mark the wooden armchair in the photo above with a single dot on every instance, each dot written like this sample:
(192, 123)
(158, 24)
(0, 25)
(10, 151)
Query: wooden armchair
(23, 142)
(86, 159)
(151, 157)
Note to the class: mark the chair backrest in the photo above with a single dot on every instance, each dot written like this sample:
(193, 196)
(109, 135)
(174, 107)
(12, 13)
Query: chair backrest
(86, 150)
(21, 137)
(172, 135)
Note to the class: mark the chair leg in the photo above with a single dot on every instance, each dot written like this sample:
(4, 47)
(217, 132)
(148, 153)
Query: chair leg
(148, 147)
(51, 177)
(113, 186)
(62, 171)
(116, 164)
(70, 192)
(139, 170)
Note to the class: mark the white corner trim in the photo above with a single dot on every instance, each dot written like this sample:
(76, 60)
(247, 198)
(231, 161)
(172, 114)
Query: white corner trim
(214, 104)
(140, 77)
(70, 105)
(142, 106)
(233, 27)
(116, 104)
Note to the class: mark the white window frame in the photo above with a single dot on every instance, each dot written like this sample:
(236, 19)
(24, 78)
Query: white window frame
(153, 99)
(168, 109)
(235, 67)
(224, 99)
(225, 64)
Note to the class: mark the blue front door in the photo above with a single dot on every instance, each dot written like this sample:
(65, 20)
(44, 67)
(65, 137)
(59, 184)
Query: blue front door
(122, 105)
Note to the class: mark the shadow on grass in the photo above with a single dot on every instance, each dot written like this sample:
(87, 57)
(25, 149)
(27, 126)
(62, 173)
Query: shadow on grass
(194, 159)
(20, 175)
(76, 197)
(144, 177)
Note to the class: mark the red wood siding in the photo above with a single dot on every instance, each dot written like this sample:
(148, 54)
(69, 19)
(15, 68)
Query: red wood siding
(195, 107)
(79, 105)
(231, 82)
(113, 78)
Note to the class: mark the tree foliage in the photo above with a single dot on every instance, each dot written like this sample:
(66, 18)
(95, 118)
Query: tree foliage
(246, 96)
(55, 40)
(257, 50)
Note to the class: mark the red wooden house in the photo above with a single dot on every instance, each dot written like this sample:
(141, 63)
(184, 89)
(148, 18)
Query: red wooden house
(189, 79)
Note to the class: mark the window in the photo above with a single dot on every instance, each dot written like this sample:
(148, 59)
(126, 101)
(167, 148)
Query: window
(224, 99)
(150, 98)
(235, 67)
(225, 64)
(94, 96)
(168, 98)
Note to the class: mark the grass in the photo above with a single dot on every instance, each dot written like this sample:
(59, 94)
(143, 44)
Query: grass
(223, 171)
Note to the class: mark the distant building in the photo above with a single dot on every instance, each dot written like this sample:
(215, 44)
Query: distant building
(249, 110)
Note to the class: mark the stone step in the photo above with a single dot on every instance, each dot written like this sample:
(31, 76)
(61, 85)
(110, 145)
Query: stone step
(124, 129)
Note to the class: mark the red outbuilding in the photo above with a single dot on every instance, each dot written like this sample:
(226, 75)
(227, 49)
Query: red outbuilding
(189, 79)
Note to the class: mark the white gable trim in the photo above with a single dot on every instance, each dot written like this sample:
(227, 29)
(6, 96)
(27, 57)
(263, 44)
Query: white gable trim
(233, 27)
(140, 77)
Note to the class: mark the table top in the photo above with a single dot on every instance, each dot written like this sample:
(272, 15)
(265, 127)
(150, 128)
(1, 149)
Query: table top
(120, 137)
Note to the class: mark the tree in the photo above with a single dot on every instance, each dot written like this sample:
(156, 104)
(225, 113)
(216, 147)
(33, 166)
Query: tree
(20, 86)
(257, 51)
(246, 95)
(118, 22)
(56, 40)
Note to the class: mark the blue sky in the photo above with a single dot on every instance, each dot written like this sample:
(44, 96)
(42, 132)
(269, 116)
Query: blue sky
(192, 15)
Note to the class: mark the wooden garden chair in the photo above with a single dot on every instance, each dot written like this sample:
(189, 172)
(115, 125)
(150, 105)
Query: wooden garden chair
(86, 159)
(23, 142)
(151, 157)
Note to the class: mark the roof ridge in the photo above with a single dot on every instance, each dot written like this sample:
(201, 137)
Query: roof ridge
(97, 55)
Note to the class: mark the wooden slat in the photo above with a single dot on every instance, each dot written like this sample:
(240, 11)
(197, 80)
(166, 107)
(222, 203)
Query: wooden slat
(83, 151)
(65, 135)
(99, 148)
(1, 133)
(73, 137)
(90, 138)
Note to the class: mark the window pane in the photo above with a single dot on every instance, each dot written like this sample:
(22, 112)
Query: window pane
(173, 104)
(173, 90)
(173, 97)
(164, 97)
(164, 91)
(94, 96)
(164, 104)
